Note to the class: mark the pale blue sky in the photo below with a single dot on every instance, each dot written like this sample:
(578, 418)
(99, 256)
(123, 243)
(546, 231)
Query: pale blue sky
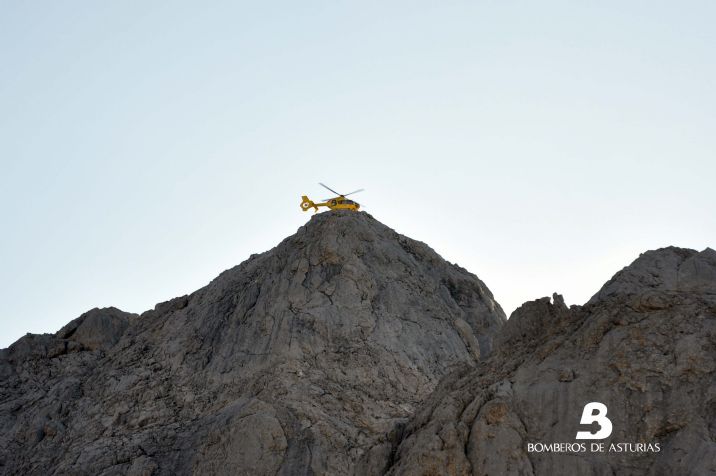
(147, 146)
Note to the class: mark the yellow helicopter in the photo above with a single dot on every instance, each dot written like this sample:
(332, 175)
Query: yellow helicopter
(336, 203)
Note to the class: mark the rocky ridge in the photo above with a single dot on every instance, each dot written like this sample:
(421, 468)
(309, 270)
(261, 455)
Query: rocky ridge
(350, 349)
(644, 345)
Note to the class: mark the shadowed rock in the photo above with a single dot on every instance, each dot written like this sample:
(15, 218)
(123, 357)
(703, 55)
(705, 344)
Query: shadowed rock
(645, 346)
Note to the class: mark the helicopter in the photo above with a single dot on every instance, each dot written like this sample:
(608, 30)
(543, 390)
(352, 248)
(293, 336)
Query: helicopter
(336, 203)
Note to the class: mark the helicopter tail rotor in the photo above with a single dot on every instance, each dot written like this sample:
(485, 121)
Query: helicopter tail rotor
(308, 203)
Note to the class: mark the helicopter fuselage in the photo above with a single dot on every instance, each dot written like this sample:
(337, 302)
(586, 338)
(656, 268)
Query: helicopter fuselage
(336, 203)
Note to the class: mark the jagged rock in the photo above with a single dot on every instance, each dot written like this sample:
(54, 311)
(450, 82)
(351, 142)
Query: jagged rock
(666, 269)
(98, 328)
(306, 359)
(349, 349)
(645, 346)
(41, 381)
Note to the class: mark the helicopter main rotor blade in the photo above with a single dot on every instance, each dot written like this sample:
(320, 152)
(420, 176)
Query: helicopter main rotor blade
(326, 187)
(359, 190)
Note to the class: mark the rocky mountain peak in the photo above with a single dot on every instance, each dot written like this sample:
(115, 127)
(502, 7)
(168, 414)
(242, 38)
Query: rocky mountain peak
(351, 349)
(643, 347)
(305, 358)
(668, 269)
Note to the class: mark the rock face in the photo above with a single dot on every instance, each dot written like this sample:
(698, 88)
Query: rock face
(349, 349)
(644, 345)
(306, 359)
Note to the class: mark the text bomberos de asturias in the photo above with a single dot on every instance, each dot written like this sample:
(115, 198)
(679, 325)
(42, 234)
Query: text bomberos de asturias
(593, 447)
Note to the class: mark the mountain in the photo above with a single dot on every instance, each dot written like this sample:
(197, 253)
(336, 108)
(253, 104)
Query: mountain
(306, 359)
(350, 349)
(644, 346)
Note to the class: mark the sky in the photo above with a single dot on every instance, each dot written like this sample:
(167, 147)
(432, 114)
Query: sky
(147, 146)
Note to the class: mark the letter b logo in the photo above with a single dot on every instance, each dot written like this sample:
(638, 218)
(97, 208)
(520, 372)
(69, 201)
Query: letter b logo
(595, 412)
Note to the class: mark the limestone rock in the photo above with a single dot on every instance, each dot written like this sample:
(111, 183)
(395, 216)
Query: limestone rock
(306, 359)
(98, 328)
(350, 349)
(666, 269)
(645, 346)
